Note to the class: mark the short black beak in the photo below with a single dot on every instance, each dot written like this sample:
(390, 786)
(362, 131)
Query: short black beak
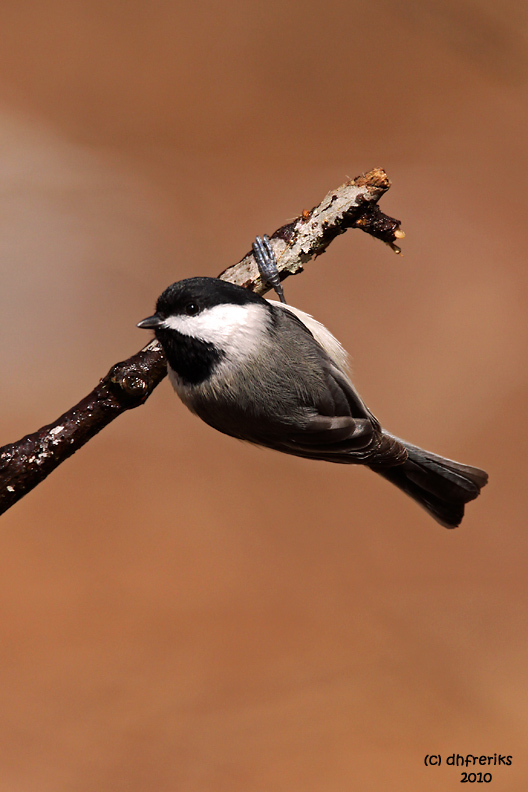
(150, 323)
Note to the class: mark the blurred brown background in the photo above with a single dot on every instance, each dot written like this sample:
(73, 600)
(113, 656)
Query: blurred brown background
(180, 611)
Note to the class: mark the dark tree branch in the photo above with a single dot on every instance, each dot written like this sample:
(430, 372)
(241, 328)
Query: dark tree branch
(26, 463)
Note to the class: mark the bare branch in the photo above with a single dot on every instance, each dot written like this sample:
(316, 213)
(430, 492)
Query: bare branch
(26, 463)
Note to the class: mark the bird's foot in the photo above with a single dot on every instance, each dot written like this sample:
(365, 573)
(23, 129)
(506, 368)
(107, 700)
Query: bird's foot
(267, 264)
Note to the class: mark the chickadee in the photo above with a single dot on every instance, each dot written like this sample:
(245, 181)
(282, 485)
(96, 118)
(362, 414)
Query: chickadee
(265, 372)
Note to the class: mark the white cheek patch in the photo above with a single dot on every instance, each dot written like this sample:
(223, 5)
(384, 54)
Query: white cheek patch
(231, 328)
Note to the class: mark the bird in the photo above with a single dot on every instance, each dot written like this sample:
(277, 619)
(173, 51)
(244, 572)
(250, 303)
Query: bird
(270, 374)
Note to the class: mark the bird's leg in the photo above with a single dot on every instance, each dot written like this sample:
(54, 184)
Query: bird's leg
(267, 264)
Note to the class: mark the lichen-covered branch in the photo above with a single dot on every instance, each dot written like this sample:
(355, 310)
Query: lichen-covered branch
(26, 463)
(353, 205)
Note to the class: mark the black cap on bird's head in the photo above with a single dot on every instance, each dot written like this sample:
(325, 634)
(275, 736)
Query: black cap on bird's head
(194, 295)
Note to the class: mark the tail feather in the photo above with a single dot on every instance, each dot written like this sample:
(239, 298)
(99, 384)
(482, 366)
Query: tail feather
(439, 485)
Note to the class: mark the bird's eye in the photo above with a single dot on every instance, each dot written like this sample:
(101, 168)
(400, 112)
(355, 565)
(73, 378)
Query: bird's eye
(191, 309)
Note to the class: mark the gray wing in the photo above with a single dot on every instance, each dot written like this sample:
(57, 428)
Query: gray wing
(332, 422)
(340, 428)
